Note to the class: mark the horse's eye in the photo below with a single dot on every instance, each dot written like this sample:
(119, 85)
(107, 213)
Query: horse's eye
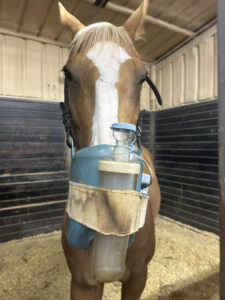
(67, 74)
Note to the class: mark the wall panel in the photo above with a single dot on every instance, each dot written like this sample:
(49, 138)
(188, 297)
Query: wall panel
(178, 92)
(13, 66)
(194, 72)
(206, 68)
(191, 74)
(51, 72)
(31, 68)
(33, 176)
(167, 83)
(185, 141)
(145, 103)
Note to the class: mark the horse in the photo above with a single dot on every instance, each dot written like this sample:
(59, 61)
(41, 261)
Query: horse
(104, 78)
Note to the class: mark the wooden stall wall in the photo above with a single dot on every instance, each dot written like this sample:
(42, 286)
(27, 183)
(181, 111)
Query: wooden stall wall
(189, 75)
(31, 68)
(185, 143)
(33, 176)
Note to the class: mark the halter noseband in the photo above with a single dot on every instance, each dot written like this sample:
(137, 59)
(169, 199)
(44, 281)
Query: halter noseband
(67, 120)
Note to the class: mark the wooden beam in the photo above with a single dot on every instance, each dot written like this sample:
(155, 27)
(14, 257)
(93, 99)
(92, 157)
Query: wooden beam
(101, 3)
(33, 38)
(127, 11)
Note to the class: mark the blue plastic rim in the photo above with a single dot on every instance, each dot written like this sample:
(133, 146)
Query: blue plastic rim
(124, 126)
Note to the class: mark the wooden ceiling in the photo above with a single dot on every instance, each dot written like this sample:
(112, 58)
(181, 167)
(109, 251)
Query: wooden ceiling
(168, 23)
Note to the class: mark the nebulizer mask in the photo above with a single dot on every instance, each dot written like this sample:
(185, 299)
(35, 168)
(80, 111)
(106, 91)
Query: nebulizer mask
(105, 207)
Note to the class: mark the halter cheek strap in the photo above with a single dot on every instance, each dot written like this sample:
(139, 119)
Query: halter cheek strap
(140, 117)
(154, 88)
(139, 128)
(67, 120)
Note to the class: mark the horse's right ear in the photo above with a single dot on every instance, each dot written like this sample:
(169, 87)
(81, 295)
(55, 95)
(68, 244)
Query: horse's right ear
(134, 24)
(69, 20)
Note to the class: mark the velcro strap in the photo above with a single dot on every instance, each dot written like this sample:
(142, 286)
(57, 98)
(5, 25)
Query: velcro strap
(118, 212)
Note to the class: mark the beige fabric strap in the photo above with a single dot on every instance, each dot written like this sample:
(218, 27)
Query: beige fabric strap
(115, 212)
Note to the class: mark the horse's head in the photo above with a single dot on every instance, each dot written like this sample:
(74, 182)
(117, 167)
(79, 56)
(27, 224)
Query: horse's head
(104, 76)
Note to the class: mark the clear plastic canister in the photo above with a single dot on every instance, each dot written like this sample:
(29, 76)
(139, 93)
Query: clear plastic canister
(108, 257)
(109, 251)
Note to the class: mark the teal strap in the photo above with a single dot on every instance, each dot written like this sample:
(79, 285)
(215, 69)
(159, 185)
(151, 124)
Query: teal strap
(72, 148)
(139, 152)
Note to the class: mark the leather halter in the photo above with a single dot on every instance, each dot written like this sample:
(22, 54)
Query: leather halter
(67, 120)
(154, 88)
(66, 116)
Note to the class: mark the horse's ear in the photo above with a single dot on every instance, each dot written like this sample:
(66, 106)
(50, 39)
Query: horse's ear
(134, 24)
(69, 20)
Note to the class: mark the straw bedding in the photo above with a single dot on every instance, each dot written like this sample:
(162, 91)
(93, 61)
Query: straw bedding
(185, 266)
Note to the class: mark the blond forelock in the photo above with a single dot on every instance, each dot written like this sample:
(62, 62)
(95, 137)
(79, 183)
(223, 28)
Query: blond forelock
(87, 37)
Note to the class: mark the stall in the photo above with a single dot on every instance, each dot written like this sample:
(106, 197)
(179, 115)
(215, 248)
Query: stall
(180, 51)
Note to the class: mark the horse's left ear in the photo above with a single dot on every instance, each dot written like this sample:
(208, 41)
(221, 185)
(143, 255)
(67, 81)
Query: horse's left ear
(69, 20)
(134, 24)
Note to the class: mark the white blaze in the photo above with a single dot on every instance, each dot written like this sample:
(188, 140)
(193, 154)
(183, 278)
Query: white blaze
(107, 57)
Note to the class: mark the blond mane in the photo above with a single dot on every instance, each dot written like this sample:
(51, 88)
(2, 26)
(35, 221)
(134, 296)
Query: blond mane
(88, 36)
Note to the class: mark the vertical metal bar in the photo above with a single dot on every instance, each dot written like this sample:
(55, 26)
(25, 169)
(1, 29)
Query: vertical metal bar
(152, 135)
(221, 94)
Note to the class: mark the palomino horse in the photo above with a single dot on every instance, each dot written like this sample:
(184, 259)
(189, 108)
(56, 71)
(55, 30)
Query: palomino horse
(104, 76)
